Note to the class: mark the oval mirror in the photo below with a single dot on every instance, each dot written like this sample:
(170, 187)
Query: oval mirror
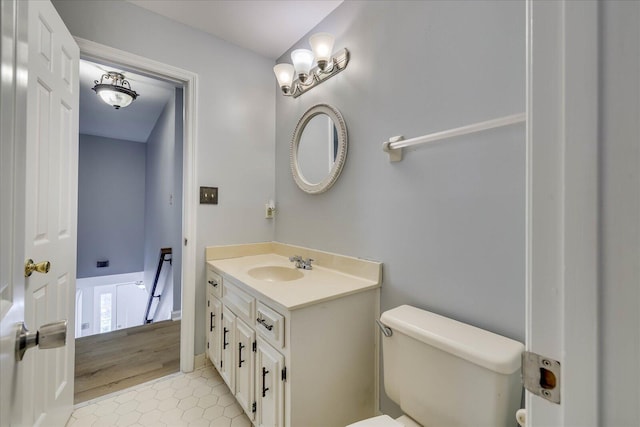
(318, 148)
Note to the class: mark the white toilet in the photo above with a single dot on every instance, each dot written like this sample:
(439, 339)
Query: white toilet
(444, 373)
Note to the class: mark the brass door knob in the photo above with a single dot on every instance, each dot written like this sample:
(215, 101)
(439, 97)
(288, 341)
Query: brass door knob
(41, 267)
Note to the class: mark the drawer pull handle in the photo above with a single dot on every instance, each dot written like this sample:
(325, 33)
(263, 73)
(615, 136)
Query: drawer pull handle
(264, 389)
(214, 283)
(240, 361)
(211, 326)
(264, 323)
(224, 338)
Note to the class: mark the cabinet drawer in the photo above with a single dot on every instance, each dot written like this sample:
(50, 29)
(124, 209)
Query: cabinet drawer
(215, 281)
(270, 325)
(241, 303)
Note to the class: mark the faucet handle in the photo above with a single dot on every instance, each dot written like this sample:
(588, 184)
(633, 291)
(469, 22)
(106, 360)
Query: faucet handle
(306, 264)
(295, 258)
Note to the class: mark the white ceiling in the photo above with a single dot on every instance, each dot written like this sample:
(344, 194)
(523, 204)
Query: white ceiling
(268, 28)
(134, 122)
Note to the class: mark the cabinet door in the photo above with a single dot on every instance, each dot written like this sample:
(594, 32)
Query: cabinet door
(245, 366)
(269, 386)
(227, 355)
(209, 323)
(215, 330)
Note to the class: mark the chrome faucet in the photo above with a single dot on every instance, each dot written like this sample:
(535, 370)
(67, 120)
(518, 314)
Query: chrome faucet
(304, 264)
(297, 259)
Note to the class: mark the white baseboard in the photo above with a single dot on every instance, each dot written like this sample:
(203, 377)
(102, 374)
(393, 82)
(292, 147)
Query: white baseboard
(199, 361)
(176, 315)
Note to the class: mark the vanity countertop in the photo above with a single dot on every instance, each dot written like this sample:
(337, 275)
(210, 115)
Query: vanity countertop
(315, 286)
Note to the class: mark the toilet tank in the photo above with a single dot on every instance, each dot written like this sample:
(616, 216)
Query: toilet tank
(446, 373)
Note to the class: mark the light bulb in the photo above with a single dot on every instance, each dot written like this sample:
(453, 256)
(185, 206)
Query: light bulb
(322, 46)
(284, 74)
(302, 61)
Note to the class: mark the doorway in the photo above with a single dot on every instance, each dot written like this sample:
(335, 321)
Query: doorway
(129, 233)
(129, 204)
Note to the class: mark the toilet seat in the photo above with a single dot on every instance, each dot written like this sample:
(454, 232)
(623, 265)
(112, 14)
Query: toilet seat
(386, 421)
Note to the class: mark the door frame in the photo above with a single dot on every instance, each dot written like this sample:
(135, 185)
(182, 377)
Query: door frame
(562, 202)
(189, 80)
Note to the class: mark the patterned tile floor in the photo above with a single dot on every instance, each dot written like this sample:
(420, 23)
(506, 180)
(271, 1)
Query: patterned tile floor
(199, 398)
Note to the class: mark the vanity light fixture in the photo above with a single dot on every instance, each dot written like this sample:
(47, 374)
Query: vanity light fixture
(118, 94)
(296, 79)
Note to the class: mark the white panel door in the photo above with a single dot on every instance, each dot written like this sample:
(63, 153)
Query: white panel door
(11, 277)
(45, 143)
(245, 383)
(269, 386)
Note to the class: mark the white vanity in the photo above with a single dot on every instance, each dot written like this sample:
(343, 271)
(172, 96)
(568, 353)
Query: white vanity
(296, 347)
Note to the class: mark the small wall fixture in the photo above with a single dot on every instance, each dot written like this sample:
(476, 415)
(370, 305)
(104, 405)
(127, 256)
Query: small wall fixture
(296, 79)
(118, 94)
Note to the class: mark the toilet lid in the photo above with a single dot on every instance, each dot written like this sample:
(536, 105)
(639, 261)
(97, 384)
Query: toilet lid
(381, 421)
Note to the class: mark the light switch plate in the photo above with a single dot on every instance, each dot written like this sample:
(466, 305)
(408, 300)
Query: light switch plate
(209, 195)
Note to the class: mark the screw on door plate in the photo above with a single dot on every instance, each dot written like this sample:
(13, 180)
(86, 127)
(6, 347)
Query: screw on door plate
(209, 195)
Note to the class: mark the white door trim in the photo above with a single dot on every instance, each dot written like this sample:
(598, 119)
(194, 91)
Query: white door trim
(189, 80)
(562, 205)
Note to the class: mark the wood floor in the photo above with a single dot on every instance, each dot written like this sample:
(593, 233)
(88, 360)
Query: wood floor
(116, 360)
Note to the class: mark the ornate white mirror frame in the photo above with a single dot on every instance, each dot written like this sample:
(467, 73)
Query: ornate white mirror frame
(340, 155)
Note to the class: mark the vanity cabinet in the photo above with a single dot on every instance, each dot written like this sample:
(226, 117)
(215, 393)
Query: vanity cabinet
(314, 365)
(252, 369)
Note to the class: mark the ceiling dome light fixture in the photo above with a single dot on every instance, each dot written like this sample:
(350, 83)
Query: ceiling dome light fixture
(296, 79)
(117, 94)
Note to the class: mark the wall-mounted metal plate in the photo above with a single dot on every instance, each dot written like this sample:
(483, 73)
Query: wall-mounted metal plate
(541, 376)
(209, 195)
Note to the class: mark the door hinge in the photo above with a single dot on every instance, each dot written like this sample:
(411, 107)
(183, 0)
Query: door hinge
(207, 344)
(284, 374)
(221, 364)
(541, 376)
(254, 346)
(208, 303)
(185, 241)
(253, 407)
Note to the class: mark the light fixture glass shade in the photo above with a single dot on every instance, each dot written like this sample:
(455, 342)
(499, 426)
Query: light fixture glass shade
(322, 46)
(302, 61)
(114, 97)
(118, 94)
(284, 74)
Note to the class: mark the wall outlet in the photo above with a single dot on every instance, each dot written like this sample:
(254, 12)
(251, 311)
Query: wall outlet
(269, 211)
(208, 195)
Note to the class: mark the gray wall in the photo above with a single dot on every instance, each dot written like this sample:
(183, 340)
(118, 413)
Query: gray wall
(236, 116)
(448, 221)
(111, 204)
(163, 208)
(619, 382)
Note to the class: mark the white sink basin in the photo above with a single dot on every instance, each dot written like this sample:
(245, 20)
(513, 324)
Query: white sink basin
(274, 273)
